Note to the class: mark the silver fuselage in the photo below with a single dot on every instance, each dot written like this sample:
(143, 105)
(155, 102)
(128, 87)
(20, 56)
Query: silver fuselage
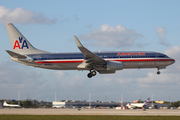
(70, 61)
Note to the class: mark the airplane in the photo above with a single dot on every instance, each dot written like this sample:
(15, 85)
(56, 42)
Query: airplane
(102, 62)
(10, 105)
(137, 105)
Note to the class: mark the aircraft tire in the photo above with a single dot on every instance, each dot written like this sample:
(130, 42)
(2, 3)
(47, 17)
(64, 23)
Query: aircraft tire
(158, 72)
(89, 75)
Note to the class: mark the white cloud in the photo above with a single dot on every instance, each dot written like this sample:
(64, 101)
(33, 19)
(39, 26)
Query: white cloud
(159, 81)
(161, 31)
(20, 15)
(19, 78)
(108, 36)
(174, 53)
(65, 79)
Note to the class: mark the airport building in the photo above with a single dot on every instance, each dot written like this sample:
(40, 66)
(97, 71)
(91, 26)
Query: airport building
(158, 105)
(84, 104)
(93, 104)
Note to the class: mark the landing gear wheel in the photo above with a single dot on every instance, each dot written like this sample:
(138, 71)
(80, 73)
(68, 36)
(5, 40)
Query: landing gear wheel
(158, 72)
(89, 75)
(92, 73)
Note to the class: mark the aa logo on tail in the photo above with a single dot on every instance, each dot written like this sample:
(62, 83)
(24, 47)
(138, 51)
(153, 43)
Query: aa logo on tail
(23, 44)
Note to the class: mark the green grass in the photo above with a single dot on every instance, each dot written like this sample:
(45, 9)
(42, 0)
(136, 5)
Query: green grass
(85, 117)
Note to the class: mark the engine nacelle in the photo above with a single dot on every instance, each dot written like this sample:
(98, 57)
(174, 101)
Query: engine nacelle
(113, 65)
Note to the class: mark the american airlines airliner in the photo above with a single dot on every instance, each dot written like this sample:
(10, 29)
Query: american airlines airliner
(101, 62)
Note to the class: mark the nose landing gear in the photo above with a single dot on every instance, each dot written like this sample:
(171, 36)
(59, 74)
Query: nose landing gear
(92, 73)
(158, 72)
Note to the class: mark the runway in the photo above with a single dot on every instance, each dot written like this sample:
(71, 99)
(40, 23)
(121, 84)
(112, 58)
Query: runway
(50, 111)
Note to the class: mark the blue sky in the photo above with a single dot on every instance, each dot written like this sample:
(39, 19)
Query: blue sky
(142, 25)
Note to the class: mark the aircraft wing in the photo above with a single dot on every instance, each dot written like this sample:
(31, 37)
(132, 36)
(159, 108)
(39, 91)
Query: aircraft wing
(90, 59)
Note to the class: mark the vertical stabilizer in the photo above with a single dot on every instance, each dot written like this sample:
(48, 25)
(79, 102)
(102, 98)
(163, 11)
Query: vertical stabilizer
(5, 103)
(147, 102)
(19, 43)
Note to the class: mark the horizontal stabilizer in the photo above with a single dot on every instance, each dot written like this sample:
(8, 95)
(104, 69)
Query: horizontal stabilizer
(15, 55)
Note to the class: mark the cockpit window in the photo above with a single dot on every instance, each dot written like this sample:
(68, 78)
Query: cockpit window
(166, 56)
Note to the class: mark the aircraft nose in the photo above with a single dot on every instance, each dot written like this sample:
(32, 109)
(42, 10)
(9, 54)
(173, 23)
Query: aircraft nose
(173, 61)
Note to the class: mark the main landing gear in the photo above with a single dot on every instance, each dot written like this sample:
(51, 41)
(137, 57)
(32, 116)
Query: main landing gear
(92, 73)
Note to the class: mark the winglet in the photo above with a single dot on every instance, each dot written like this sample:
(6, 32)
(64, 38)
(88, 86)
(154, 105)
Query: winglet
(78, 42)
(88, 54)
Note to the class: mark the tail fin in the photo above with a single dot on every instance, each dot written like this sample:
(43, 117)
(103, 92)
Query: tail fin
(5, 103)
(19, 43)
(147, 102)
